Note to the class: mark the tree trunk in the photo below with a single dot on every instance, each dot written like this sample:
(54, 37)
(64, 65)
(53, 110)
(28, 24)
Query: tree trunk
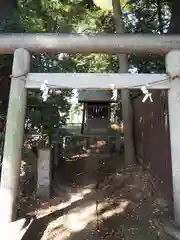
(174, 27)
(125, 99)
(159, 13)
(6, 7)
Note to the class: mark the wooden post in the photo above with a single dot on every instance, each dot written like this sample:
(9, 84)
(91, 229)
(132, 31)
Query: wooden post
(125, 100)
(14, 136)
(173, 69)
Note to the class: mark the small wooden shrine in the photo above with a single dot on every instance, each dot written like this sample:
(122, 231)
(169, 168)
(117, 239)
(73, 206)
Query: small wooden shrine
(96, 111)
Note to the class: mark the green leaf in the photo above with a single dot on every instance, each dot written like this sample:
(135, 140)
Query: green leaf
(106, 5)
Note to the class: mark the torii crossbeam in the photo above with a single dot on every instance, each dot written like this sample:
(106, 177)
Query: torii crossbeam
(81, 43)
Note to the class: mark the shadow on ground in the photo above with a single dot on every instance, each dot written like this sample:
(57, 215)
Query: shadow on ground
(97, 197)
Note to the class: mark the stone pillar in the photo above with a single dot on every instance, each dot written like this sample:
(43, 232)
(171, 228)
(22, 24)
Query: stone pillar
(173, 69)
(44, 173)
(14, 136)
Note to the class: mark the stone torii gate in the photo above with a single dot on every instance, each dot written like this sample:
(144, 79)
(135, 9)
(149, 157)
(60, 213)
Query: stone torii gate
(22, 79)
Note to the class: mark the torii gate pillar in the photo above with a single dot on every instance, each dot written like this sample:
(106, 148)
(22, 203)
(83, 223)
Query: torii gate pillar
(173, 69)
(14, 136)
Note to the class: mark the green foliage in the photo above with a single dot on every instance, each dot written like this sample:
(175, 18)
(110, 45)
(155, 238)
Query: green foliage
(62, 16)
(106, 5)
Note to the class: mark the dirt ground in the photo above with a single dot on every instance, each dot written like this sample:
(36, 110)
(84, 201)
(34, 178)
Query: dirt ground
(97, 197)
